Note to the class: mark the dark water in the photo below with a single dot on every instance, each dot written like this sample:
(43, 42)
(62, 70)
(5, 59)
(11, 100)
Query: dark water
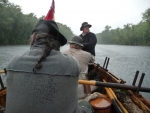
(124, 60)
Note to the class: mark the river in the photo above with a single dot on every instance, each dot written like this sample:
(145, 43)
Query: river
(124, 60)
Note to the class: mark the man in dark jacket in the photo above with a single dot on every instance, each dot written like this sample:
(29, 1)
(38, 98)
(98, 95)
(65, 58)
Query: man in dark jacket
(89, 38)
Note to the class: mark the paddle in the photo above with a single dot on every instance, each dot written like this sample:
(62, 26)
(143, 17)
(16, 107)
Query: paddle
(117, 108)
(114, 99)
(110, 85)
(113, 85)
(2, 71)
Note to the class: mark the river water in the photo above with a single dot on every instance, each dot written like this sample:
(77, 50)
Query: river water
(124, 60)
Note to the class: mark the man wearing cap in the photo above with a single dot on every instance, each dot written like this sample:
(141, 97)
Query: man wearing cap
(84, 58)
(89, 38)
(43, 80)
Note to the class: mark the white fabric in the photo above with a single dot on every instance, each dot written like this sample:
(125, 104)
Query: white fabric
(83, 57)
(91, 96)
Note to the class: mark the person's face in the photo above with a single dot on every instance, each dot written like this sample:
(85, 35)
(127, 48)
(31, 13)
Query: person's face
(72, 46)
(86, 29)
(75, 46)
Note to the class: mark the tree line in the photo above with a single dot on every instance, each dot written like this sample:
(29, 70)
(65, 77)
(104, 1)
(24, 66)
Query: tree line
(129, 35)
(16, 27)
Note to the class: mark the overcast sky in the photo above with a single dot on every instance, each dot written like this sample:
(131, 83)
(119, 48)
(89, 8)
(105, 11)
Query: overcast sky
(99, 13)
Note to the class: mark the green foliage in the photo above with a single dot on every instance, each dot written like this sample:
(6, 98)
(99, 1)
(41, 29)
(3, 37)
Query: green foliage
(16, 27)
(130, 35)
(66, 31)
(146, 16)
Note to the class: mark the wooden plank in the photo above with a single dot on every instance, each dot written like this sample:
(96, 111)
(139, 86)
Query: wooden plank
(101, 71)
(138, 102)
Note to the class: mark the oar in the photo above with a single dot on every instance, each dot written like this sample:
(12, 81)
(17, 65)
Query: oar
(114, 85)
(2, 71)
(110, 85)
(112, 95)
(1, 82)
(117, 108)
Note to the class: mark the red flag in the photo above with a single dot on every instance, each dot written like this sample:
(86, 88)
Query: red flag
(50, 14)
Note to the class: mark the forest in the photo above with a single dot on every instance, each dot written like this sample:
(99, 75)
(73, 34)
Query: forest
(16, 27)
(129, 35)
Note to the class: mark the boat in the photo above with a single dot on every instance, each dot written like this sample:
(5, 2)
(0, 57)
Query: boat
(108, 86)
(137, 99)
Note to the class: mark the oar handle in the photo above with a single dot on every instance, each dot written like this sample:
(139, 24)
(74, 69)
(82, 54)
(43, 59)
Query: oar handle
(1, 82)
(86, 82)
(2, 71)
(113, 85)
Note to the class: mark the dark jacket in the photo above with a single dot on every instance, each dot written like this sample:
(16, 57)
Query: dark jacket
(89, 42)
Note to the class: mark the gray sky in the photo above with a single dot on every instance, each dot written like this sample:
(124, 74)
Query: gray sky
(99, 13)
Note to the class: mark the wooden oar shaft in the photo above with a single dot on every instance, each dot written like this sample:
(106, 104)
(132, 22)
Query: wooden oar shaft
(2, 71)
(109, 90)
(117, 108)
(113, 85)
(110, 85)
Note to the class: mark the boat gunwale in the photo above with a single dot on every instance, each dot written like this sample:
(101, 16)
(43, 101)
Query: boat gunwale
(137, 98)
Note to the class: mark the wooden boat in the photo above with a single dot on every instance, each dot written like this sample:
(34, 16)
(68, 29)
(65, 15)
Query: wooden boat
(136, 97)
(104, 75)
(2, 91)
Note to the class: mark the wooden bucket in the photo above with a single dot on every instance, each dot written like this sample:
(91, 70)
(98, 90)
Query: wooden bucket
(101, 105)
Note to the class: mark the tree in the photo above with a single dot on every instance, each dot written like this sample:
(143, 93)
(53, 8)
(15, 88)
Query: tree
(146, 16)
(107, 28)
(130, 35)
(65, 30)
(16, 27)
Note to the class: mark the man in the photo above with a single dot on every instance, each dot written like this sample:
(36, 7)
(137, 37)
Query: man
(84, 58)
(43, 80)
(89, 38)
